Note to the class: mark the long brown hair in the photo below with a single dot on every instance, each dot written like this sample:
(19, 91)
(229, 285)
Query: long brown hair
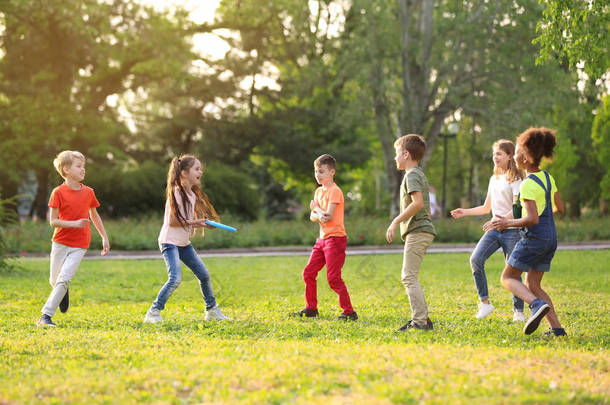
(203, 206)
(512, 173)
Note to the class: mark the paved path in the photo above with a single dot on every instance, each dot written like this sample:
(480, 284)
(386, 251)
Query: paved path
(304, 251)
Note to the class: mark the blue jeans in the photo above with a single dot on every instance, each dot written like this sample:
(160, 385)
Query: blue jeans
(488, 244)
(172, 255)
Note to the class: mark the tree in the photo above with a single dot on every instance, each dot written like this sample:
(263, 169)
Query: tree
(421, 61)
(62, 59)
(576, 31)
(287, 126)
(601, 139)
(576, 170)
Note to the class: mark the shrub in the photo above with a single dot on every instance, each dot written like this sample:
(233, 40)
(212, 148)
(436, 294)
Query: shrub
(7, 218)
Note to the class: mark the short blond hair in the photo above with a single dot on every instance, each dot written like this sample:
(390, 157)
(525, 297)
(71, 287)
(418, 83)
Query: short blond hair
(65, 159)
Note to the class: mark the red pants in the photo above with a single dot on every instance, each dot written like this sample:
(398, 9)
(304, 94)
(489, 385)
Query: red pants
(329, 251)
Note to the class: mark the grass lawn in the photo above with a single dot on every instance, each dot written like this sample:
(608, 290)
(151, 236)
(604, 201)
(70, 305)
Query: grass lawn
(102, 353)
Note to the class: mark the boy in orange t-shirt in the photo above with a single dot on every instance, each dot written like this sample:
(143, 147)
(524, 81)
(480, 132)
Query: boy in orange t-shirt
(71, 204)
(327, 209)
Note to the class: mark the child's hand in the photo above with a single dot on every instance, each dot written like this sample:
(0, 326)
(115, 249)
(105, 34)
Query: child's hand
(457, 213)
(324, 217)
(81, 223)
(500, 224)
(105, 247)
(389, 234)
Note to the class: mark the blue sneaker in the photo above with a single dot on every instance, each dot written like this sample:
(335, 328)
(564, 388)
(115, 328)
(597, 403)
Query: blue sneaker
(45, 320)
(554, 332)
(539, 310)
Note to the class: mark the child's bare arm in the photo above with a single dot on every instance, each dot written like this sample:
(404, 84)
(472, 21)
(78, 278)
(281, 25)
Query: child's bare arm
(502, 223)
(480, 210)
(99, 225)
(559, 206)
(55, 222)
(314, 215)
(417, 203)
(329, 214)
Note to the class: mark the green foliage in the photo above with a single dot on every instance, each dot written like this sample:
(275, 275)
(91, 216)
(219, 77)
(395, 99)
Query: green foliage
(7, 218)
(232, 191)
(106, 355)
(140, 190)
(121, 82)
(129, 191)
(601, 139)
(61, 61)
(140, 233)
(574, 166)
(576, 31)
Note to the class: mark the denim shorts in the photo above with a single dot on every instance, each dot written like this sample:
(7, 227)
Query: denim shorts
(533, 253)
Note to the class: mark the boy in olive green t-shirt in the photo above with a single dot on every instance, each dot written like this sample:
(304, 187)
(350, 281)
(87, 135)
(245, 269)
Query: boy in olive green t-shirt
(416, 226)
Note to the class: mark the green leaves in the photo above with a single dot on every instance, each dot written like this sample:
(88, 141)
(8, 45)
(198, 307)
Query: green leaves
(576, 31)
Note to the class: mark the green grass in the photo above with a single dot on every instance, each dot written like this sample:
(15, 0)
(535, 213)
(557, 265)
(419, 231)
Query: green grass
(102, 353)
(141, 233)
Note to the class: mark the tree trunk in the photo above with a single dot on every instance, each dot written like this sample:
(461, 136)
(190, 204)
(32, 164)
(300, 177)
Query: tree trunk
(382, 118)
(384, 130)
(603, 206)
(473, 137)
(40, 205)
(573, 208)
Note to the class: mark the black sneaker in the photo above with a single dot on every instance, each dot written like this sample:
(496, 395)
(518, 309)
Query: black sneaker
(344, 317)
(45, 320)
(413, 325)
(65, 302)
(307, 313)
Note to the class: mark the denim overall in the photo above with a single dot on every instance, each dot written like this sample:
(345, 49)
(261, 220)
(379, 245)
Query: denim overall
(539, 243)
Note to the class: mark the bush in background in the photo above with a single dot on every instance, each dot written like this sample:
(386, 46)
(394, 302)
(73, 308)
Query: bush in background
(141, 190)
(141, 233)
(7, 218)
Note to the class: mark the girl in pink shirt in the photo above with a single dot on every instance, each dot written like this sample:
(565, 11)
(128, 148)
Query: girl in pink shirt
(186, 209)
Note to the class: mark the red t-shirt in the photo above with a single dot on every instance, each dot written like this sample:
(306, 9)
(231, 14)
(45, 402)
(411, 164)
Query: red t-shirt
(73, 205)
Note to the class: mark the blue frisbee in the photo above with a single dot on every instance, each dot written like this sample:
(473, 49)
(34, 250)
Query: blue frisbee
(220, 226)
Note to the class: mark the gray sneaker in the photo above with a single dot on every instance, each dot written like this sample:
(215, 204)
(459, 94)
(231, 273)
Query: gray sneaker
(153, 315)
(216, 314)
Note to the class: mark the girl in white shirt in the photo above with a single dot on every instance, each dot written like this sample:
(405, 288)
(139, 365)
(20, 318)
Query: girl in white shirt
(186, 209)
(503, 190)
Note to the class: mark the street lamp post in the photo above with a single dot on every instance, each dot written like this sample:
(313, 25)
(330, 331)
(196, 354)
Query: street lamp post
(453, 130)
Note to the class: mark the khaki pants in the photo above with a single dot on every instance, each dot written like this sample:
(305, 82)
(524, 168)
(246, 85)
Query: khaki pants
(416, 246)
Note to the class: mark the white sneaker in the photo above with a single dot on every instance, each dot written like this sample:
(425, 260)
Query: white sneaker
(153, 315)
(484, 310)
(518, 316)
(216, 314)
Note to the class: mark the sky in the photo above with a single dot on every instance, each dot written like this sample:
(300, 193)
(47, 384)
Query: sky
(201, 11)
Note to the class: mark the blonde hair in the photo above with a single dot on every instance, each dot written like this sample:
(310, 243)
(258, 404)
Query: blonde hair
(65, 159)
(203, 205)
(512, 173)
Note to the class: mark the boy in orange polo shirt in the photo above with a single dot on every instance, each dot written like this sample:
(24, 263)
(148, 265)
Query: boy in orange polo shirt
(71, 204)
(327, 209)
